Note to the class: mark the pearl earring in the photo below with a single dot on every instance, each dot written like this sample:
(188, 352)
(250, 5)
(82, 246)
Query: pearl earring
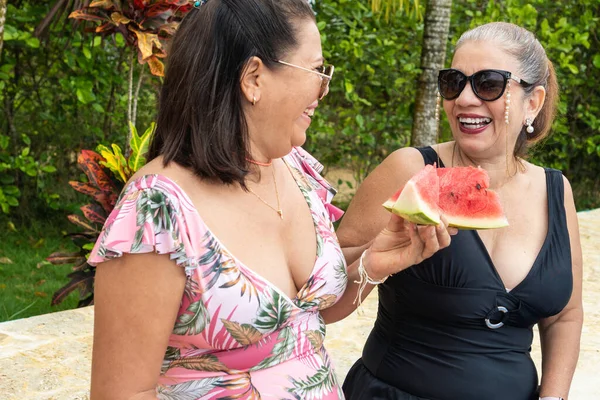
(507, 102)
(529, 124)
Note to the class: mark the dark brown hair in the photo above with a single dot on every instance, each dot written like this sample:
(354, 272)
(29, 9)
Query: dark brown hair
(201, 123)
(535, 68)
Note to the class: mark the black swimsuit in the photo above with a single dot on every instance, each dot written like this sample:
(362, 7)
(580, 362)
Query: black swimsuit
(447, 329)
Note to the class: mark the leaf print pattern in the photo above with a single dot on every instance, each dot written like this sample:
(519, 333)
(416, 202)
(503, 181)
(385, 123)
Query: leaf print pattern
(316, 339)
(244, 334)
(236, 336)
(273, 313)
(191, 390)
(193, 321)
(314, 387)
(243, 385)
(205, 362)
(281, 351)
(238, 277)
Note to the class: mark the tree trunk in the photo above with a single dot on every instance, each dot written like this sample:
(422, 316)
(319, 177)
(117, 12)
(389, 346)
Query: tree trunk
(3, 4)
(433, 55)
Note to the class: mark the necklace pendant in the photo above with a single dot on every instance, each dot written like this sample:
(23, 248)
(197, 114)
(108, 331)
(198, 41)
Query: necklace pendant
(280, 212)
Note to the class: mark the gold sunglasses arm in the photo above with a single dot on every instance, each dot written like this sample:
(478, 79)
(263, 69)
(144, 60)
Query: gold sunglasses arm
(305, 69)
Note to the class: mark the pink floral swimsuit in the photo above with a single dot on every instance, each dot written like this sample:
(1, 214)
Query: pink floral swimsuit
(236, 335)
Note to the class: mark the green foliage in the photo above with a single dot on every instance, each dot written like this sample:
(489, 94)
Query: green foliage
(368, 112)
(26, 280)
(565, 29)
(106, 175)
(144, 25)
(58, 94)
(121, 167)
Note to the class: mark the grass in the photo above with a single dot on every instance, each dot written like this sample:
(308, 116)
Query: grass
(27, 283)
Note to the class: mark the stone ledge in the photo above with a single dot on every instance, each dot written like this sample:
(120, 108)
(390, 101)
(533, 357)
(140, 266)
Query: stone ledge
(49, 356)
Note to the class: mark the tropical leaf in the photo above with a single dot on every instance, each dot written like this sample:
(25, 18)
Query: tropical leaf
(139, 146)
(193, 321)
(119, 18)
(205, 363)
(94, 213)
(89, 162)
(77, 220)
(316, 386)
(89, 14)
(82, 280)
(316, 339)
(106, 4)
(191, 390)
(274, 311)
(244, 334)
(282, 350)
(115, 161)
(64, 258)
(146, 42)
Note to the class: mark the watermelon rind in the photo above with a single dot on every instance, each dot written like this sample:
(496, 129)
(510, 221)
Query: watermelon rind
(411, 207)
(476, 223)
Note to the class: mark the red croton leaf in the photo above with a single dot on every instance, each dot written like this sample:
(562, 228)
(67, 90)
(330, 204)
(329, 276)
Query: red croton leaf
(82, 280)
(94, 213)
(89, 14)
(105, 28)
(77, 220)
(140, 4)
(106, 200)
(89, 162)
(64, 258)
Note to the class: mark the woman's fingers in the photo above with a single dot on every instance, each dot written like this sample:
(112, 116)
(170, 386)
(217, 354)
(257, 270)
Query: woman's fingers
(451, 230)
(443, 235)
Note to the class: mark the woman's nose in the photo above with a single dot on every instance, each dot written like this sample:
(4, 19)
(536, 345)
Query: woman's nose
(467, 97)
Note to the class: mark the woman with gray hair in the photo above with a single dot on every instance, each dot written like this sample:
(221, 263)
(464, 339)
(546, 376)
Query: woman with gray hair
(459, 325)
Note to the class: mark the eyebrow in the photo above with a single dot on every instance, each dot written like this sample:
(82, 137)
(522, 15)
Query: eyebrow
(320, 59)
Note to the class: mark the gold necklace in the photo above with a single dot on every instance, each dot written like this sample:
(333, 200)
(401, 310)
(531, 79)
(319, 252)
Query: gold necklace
(278, 210)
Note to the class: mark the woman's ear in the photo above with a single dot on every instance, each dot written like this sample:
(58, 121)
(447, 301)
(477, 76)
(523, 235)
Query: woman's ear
(535, 102)
(252, 79)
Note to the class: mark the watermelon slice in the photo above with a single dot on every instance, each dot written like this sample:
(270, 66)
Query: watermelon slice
(417, 200)
(460, 193)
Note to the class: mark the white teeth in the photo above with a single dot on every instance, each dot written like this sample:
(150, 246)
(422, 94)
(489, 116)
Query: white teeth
(310, 112)
(477, 121)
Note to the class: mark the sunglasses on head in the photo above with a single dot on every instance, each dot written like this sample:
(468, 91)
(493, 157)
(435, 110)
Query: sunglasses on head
(324, 71)
(487, 84)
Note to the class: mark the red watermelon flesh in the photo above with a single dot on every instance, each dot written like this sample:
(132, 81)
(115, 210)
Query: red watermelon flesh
(466, 200)
(417, 200)
(460, 193)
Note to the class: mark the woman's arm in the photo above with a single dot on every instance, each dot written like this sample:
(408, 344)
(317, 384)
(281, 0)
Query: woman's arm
(560, 335)
(366, 216)
(136, 299)
(393, 244)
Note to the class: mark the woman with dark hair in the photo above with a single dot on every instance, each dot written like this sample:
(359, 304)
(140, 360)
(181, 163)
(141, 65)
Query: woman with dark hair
(219, 266)
(459, 325)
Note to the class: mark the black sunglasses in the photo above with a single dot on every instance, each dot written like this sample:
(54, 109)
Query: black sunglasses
(487, 84)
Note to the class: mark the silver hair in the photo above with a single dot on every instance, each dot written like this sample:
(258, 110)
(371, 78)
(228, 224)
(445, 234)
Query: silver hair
(518, 42)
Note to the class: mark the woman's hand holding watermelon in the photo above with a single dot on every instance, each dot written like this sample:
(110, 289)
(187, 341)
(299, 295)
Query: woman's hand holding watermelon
(403, 244)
